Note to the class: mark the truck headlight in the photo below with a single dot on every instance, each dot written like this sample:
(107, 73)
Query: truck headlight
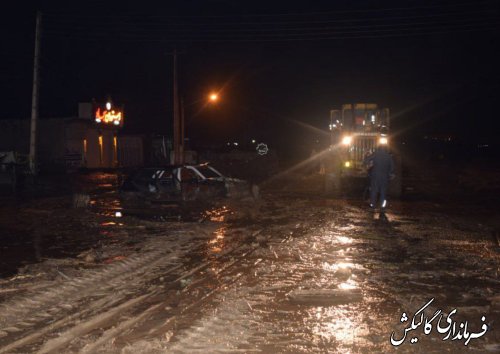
(383, 141)
(347, 140)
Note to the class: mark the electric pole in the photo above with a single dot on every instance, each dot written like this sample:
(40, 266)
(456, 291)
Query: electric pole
(177, 123)
(183, 138)
(34, 98)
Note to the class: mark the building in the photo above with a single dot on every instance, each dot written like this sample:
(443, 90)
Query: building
(90, 140)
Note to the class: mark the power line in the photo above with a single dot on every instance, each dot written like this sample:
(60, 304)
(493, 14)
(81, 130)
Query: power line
(378, 27)
(189, 28)
(479, 23)
(96, 21)
(421, 24)
(343, 12)
(339, 29)
(272, 39)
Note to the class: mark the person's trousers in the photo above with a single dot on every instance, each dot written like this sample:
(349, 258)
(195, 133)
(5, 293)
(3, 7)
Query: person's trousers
(378, 188)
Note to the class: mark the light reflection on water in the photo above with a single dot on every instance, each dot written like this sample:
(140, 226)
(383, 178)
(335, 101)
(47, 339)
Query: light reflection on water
(344, 240)
(333, 267)
(217, 243)
(346, 228)
(217, 214)
(106, 206)
(110, 223)
(338, 325)
(350, 284)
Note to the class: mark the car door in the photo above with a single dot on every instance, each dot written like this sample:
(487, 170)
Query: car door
(189, 182)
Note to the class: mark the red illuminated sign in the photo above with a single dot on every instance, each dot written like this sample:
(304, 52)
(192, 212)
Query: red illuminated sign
(109, 116)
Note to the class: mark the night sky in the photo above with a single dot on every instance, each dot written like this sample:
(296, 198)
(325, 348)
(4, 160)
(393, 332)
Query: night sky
(277, 64)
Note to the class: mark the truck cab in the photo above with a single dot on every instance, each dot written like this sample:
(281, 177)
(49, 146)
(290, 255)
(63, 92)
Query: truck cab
(356, 130)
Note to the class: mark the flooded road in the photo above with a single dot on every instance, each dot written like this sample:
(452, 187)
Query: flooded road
(289, 273)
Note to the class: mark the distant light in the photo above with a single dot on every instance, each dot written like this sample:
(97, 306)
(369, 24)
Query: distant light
(98, 120)
(228, 144)
(347, 164)
(108, 106)
(383, 141)
(118, 214)
(235, 144)
(347, 140)
(373, 117)
(116, 122)
(253, 141)
(213, 97)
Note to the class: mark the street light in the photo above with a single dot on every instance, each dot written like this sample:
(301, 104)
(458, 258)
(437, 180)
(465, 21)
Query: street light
(213, 97)
(179, 142)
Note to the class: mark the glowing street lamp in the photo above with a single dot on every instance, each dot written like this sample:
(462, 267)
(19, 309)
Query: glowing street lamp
(213, 97)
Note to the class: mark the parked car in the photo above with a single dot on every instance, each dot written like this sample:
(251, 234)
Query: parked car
(182, 183)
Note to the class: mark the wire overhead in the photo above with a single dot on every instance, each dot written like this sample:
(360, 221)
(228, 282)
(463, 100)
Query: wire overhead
(351, 24)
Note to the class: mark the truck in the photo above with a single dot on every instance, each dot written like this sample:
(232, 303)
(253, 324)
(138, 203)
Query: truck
(356, 130)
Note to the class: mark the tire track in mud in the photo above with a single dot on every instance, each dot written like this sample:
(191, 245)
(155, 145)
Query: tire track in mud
(98, 327)
(101, 345)
(233, 326)
(21, 319)
(229, 273)
(124, 278)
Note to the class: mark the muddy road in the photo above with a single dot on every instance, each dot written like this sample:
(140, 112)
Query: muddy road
(293, 272)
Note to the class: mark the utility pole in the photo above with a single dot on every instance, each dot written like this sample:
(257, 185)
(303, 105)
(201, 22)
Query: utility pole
(177, 123)
(183, 138)
(34, 98)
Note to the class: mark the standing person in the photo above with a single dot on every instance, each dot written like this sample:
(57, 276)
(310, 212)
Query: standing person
(381, 172)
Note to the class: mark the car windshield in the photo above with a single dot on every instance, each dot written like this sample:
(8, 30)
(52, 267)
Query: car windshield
(207, 172)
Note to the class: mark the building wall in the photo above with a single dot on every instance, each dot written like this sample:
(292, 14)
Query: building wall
(101, 148)
(70, 142)
(51, 142)
(131, 151)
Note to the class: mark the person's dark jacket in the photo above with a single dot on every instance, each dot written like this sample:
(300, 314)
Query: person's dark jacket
(382, 165)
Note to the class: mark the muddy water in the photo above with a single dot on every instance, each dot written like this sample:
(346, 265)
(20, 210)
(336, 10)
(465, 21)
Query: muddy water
(36, 229)
(342, 285)
(294, 274)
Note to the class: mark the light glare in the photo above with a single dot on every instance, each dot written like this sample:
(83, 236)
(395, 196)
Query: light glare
(347, 140)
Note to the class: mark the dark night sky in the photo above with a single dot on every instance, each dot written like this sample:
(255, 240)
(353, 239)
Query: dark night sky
(434, 63)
